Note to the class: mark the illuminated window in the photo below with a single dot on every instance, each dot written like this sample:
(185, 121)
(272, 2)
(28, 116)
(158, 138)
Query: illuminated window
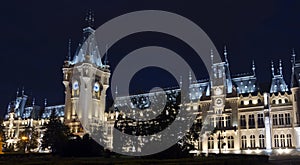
(261, 141)
(289, 140)
(282, 140)
(252, 141)
(276, 141)
(244, 142)
(230, 142)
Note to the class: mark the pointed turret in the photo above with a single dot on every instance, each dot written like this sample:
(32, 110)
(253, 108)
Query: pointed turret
(88, 51)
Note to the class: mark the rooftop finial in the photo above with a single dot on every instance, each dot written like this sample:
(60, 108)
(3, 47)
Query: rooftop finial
(17, 92)
(90, 18)
(69, 50)
(272, 68)
(280, 67)
(116, 92)
(106, 54)
(33, 102)
(45, 102)
(253, 67)
(190, 77)
(180, 82)
(212, 56)
(23, 90)
(225, 54)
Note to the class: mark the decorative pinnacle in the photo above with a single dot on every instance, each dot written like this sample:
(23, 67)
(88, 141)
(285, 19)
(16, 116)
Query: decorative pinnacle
(90, 18)
(69, 49)
(45, 102)
(280, 67)
(225, 54)
(272, 68)
(212, 56)
(253, 67)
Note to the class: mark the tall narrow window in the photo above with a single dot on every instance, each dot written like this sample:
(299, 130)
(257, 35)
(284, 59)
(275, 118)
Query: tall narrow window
(243, 121)
(289, 140)
(244, 142)
(282, 140)
(276, 141)
(287, 119)
(220, 122)
(281, 122)
(251, 121)
(210, 143)
(211, 122)
(275, 120)
(230, 142)
(261, 141)
(228, 121)
(252, 141)
(260, 120)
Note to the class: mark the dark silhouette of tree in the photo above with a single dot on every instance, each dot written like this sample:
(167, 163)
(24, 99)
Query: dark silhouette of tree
(56, 135)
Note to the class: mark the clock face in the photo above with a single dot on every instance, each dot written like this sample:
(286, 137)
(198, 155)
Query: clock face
(218, 91)
(96, 87)
(219, 101)
(75, 85)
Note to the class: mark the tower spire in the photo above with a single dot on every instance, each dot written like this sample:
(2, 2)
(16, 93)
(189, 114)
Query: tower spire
(90, 20)
(106, 54)
(272, 68)
(69, 50)
(212, 56)
(116, 92)
(190, 77)
(253, 67)
(280, 67)
(225, 54)
(23, 90)
(293, 59)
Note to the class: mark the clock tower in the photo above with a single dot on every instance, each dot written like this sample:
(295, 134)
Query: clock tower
(86, 80)
(218, 86)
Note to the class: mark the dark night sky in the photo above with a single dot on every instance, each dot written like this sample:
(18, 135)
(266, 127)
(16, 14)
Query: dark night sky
(34, 37)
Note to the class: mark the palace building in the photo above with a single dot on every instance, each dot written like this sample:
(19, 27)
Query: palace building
(242, 116)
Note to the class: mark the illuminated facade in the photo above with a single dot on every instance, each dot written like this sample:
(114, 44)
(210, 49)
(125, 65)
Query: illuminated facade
(241, 116)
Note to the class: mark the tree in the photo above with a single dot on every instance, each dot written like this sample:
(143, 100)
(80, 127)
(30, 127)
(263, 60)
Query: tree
(28, 140)
(56, 135)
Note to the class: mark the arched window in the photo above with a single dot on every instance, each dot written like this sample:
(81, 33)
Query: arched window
(261, 141)
(210, 143)
(259, 101)
(286, 100)
(252, 141)
(280, 101)
(242, 102)
(282, 140)
(250, 101)
(273, 101)
(230, 142)
(244, 142)
(276, 141)
(289, 140)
